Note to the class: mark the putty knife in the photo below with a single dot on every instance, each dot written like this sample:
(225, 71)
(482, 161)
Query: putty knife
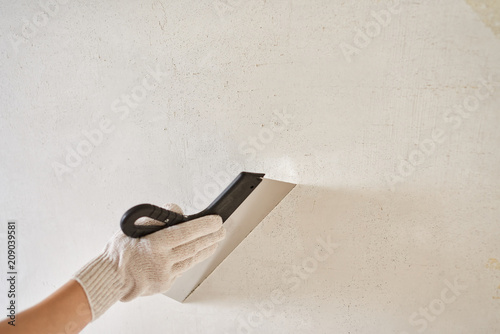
(242, 206)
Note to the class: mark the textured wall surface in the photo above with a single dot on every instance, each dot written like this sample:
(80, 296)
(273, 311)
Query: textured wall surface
(386, 114)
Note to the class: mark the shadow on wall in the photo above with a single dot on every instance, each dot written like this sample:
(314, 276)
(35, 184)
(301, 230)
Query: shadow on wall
(337, 248)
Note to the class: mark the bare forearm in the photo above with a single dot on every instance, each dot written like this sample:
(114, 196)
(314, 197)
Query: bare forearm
(65, 311)
(117, 273)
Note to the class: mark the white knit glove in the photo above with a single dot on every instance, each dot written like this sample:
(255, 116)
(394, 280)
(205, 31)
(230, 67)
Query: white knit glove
(128, 267)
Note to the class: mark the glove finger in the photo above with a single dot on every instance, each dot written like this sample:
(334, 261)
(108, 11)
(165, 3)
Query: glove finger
(189, 249)
(183, 233)
(153, 222)
(186, 264)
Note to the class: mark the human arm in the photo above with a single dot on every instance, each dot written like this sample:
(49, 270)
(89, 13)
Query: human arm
(127, 268)
(67, 310)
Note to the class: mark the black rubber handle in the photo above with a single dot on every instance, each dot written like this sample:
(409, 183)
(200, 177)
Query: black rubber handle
(167, 217)
(224, 205)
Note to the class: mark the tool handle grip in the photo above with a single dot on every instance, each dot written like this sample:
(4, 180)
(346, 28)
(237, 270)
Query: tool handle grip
(169, 218)
(224, 206)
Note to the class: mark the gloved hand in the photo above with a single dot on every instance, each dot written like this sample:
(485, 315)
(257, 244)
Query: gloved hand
(128, 268)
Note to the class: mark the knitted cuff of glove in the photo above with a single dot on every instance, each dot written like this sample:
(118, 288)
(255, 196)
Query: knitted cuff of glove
(102, 284)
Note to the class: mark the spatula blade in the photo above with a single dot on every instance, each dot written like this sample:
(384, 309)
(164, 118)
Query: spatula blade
(247, 216)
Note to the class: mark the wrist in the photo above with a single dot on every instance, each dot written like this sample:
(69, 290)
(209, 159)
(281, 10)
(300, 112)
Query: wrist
(102, 283)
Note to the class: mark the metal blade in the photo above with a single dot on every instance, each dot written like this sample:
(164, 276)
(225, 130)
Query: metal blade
(249, 214)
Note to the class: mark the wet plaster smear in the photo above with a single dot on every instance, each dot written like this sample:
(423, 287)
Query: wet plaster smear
(386, 115)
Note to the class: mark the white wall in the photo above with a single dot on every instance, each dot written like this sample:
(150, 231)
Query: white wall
(353, 128)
